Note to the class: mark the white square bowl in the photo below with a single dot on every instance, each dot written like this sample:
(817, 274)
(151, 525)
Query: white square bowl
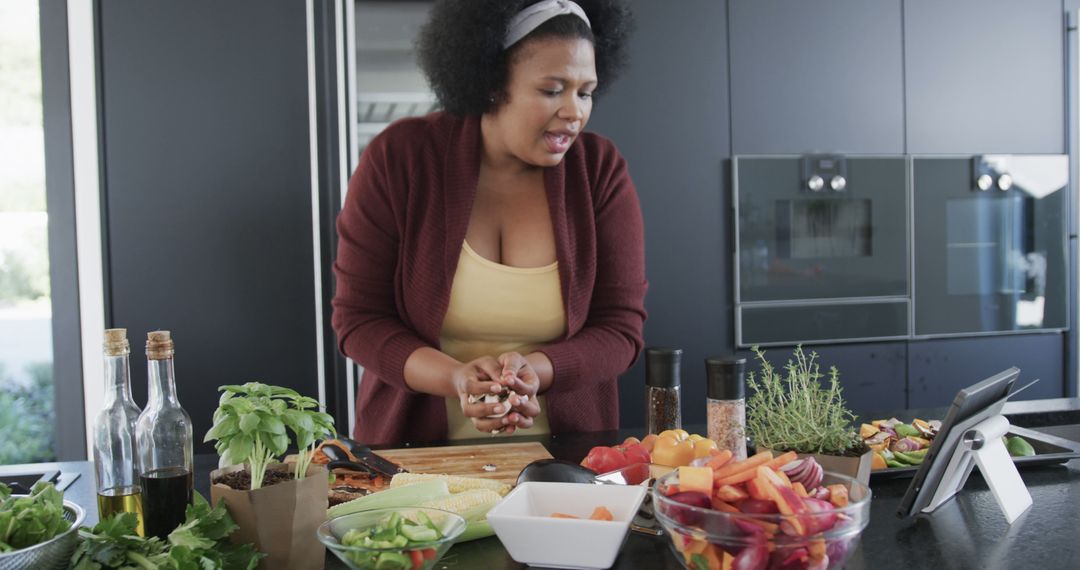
(524, 524)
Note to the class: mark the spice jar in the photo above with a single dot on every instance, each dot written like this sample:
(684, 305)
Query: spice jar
(726, 404)
(663, 408)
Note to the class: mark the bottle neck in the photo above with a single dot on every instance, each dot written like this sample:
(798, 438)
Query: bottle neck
(162, 383)
(117, 379)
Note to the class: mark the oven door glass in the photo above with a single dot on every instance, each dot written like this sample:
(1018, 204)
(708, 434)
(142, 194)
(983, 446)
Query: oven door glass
(797, 244)
(990, 260)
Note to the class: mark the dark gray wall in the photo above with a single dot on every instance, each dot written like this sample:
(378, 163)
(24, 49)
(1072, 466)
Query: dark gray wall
(207, 186)
(669, 116)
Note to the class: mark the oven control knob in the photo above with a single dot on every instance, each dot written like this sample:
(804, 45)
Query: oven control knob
(1005, 182)
(984, 182)
(815, 183)
(838, 183)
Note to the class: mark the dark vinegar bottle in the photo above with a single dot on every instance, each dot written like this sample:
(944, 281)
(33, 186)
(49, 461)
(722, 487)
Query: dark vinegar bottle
(163, 433)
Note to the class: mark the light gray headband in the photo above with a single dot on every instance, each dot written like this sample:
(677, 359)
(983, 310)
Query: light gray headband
(530, 18)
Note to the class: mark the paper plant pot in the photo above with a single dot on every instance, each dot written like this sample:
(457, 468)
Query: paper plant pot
(857, 467)
(280, 520)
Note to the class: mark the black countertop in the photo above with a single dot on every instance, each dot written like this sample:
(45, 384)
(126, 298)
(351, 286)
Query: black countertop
(967, 532)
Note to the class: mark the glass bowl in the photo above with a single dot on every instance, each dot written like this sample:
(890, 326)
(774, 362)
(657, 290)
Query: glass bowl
(821, 538)
(422, 556)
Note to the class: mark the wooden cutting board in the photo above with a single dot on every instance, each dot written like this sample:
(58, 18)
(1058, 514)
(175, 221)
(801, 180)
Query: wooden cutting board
(469, 460)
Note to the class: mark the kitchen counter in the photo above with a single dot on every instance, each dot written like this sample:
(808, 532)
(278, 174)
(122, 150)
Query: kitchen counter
(968, 532)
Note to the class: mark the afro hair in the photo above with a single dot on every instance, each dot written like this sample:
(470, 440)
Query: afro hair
(460, 47)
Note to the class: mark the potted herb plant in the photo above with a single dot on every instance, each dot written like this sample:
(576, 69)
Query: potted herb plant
(277, 506)
(796, 411)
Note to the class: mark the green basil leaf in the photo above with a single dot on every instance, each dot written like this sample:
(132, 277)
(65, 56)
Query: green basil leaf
(240, 449)
(249, 422)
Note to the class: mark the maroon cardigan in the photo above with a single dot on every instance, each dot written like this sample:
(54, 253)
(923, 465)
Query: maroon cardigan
(401, 231)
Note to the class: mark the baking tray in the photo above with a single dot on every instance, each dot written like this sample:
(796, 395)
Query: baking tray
(1049, 449)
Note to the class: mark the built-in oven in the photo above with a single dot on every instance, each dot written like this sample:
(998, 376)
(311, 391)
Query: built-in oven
(989, 244)
(821, 248)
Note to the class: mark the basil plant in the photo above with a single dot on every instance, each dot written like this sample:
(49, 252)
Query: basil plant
(252, 422)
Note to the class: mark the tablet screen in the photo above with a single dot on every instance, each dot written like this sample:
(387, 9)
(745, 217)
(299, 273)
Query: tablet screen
(976, 402)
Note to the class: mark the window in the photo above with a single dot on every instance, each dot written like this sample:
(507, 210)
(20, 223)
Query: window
(26, 371)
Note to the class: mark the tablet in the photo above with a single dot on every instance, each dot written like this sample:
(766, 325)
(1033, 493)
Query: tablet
(971, 406)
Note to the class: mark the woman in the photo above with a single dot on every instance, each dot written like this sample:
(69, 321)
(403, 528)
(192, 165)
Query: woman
(495, 244)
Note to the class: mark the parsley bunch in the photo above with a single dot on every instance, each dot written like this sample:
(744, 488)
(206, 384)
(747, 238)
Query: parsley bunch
(795, 412)
(30, 520)
(200, 543)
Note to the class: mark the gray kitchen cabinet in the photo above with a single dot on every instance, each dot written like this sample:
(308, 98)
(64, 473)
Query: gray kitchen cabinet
(937, 369)
(984, 76)
(207, 192)
(816, 76)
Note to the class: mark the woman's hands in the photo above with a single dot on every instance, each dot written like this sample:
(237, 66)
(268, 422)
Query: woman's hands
(518, 375)
(486, 375)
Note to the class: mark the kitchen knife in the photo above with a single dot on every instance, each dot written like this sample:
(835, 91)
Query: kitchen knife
(365, 456)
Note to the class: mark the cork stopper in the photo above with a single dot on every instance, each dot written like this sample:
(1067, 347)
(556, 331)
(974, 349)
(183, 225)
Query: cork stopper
(116, 342)
(159, 345)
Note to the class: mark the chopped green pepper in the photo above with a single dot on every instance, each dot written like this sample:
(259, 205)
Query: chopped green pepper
(909, 458)
(1019, 447)
(393, 561)
(905, 430)
(396, 536)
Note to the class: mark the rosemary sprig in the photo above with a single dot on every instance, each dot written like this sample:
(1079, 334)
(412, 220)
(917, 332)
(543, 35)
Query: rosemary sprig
(796, 412)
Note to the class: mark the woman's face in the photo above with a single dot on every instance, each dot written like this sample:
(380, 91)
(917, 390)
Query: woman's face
(548, 100)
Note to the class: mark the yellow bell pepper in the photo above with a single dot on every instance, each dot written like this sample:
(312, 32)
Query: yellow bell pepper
(673, 449)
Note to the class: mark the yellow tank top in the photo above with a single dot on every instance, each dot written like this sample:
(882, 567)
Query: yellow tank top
(496, 308)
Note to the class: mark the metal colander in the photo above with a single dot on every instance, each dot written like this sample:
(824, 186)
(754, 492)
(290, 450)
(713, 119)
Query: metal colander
(51, 554)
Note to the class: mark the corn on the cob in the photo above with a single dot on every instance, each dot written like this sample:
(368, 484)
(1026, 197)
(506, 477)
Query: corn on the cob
(400, 497)
(455, 483)
(472, 505)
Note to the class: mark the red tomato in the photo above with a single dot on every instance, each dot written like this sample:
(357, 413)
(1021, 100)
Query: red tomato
(417, 559)
(637, 454)
(602, 459)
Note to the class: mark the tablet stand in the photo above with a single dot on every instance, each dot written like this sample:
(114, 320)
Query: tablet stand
(982, 445)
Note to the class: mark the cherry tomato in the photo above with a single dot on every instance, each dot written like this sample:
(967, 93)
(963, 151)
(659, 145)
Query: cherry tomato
(602, 459)
(417, 559)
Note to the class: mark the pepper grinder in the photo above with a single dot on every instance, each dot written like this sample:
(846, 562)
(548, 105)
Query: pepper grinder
(663, 405)
(726, 404)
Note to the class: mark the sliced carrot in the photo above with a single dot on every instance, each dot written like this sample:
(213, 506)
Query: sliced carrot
(782, 460)
(799, 489)
(718, 461)
(563, 516)
(740, 466)
(601, 514)
(724, 506)
(740, 477)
